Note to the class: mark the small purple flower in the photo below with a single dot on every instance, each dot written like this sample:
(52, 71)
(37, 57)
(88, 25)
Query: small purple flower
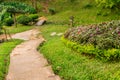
(97, 29)
(91, 35)
(110, 28)
(118, 33)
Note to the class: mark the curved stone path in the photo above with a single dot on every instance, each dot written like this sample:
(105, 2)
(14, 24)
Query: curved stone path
(26, 63)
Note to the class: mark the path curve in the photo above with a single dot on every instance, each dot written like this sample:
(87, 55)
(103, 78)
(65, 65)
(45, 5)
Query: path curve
(26, 63)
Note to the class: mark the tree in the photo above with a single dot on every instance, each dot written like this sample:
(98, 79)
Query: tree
(2, 14)
(15, 8)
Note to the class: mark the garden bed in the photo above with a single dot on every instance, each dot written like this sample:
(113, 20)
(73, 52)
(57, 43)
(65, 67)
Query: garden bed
(101, 40)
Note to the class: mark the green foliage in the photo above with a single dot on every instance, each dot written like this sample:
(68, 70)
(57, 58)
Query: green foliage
(52, 11)
(8, 21)
(1, 1)
(2, 14)
(69, 64)
(17, 7)
(108, 3)
(33, 16)
(102, 36)
(89, 49)
(14, 7)
(23, 19)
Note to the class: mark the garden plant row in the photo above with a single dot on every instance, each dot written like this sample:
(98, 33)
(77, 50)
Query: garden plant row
(99, 40)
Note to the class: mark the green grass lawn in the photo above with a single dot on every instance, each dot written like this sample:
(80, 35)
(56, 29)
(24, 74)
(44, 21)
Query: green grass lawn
(71, 65)
(5, 49)
(82, 17)
(20, 28)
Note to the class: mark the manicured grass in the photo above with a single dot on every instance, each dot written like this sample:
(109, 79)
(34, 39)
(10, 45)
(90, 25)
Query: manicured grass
(67, 63)
(5, 49)
(20, 28)
(71, 65)
(82, 17)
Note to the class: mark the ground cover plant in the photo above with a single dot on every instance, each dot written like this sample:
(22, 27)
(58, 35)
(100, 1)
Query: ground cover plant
(101, 40)
(5, 55)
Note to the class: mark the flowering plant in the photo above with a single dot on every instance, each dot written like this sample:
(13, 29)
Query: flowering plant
(105, 35)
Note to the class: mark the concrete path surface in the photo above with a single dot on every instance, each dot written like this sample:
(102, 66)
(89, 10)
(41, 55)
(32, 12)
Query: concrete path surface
(26, 63)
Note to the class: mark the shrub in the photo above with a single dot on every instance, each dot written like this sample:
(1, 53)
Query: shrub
(104, 36)
(52, 11)
(8, 21)
(88, 5)
(106, 55)
(101, 35)
(33, 16)
(108, 3)
(23, 19)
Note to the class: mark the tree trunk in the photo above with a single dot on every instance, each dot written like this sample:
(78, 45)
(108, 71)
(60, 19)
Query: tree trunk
(15, 20)
(5, 33)
(35, 4)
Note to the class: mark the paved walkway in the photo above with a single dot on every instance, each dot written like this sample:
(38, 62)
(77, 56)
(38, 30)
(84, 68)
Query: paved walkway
(26, 63)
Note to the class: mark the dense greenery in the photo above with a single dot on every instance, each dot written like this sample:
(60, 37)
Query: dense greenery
(33, 17)
(101, 40)
(88, 49)
(103, 36)
(70, 64)
(8, 21)
(23, 19)
(15, 7)
(5, 55)
(108, 3)
(27, 19)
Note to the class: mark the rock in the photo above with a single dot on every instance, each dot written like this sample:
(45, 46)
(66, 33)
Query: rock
(53, 34)
(59, 34)
(41, 21)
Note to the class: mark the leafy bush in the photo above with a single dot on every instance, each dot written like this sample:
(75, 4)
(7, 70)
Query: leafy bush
(13, 6)
(88, 5)
(101, 35)
(104, 36)
(52, 11)
(23, 19)
(106, 55)
(33, 16)
(8, 21)
(108, 3)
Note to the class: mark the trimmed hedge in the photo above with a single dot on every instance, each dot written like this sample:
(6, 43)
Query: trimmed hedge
(106, 55)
